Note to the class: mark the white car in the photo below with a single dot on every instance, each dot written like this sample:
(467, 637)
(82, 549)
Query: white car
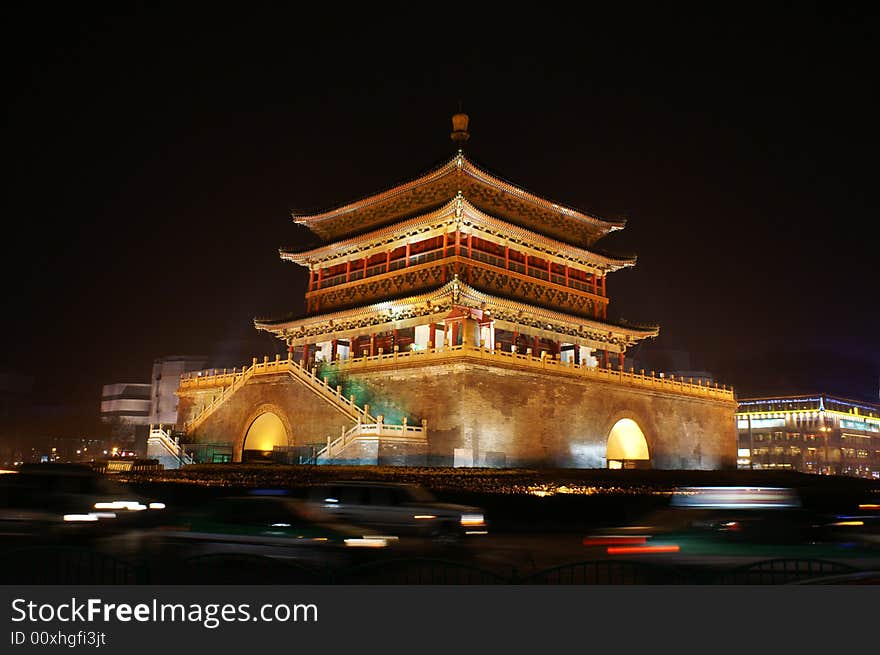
(394, 508)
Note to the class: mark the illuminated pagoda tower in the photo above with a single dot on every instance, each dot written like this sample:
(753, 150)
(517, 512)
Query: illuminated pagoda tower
(458, 319)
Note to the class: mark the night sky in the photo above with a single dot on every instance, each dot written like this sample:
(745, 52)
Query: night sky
(154, 154)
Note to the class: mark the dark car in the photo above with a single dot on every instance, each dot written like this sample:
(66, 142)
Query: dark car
(395, 508)
(723, 525)
(261, 525)
(52, 502)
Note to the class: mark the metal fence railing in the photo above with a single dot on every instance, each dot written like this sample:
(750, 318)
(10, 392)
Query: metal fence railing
(71, 565)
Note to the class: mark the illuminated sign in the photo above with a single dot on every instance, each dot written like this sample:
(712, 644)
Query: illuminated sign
(859, 424)
(761, 423)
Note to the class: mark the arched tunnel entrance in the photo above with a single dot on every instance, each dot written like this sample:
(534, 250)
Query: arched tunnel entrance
(627, 446)
(264, 434)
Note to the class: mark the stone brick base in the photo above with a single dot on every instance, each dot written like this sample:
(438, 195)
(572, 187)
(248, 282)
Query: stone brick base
(498, 416)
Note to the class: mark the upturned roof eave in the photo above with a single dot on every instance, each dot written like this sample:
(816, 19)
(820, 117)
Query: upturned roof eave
(463, 289)
(304, 258)
(459, 163)
(485, 176)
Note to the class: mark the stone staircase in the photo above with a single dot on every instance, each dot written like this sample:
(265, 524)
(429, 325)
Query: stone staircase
(165, 448)
(236, 380)
(367, 427)
(379, 430)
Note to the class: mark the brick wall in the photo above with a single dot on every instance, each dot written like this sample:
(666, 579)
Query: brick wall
(520, 418)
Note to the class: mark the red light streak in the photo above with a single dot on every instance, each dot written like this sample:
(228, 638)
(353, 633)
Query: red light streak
(624, 550)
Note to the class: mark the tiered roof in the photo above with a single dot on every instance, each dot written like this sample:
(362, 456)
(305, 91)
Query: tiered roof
(457, 211)
(457, 195)
(486, 192)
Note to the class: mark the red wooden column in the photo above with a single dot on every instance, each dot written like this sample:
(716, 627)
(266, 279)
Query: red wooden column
(432, 331)
(320, 276)
(348, 271)
(470, 239)
(536, 348)
(333, 350)
(457, 242)
(365, 266)
(566, 275)
(445, 242)
(311, 279)
(604, 359)
(506, 258)
(305, 359)
(526, 261)
(595, 283)
(372, 345)
(515, 338)
(407, 255)
(387, 261)
(620, 359)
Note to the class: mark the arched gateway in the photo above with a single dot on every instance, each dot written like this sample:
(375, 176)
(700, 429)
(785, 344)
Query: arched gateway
(266, 432)
(627, 446)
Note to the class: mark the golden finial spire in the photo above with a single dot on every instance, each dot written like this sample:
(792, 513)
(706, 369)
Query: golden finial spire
(459, 127)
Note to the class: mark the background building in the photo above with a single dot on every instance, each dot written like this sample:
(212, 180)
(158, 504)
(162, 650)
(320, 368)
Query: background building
(125, 407)
(131, 407)
(165, 382)
(812, 433)
(670, 363)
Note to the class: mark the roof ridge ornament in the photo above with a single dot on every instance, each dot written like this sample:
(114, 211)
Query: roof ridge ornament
(460, 132)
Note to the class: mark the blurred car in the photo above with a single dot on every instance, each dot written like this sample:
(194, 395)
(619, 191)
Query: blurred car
(728, 523)
(261, 524)
(395, 508)
(45, 502)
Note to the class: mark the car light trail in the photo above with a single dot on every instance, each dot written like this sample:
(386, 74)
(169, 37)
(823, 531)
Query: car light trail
(626, 550)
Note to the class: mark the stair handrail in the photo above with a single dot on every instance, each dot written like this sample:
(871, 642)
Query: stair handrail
(169, 444)
(237, 382)
(295, 369)
(335, 446)
(334, 396)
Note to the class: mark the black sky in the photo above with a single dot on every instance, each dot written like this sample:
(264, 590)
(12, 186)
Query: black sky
(154, 152)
